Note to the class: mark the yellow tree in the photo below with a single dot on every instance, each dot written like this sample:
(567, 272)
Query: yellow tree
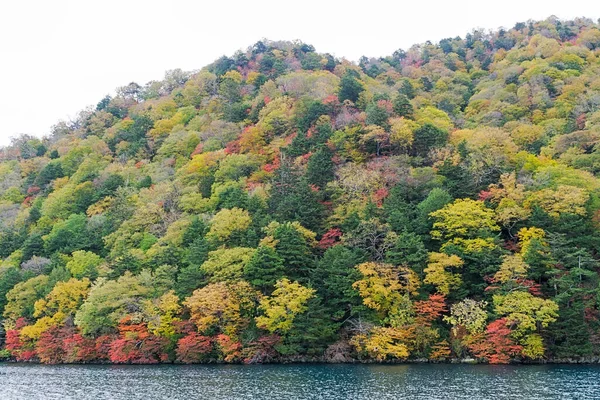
(526, 314)
(227, 223)
(289, 299)
(509, 196)
(464, 218)
(438, 272)
(58, 306)
(161, 314)
(385, 288)
(222, 307)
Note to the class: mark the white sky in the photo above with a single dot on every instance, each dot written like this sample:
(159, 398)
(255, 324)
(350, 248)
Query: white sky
(59, 56)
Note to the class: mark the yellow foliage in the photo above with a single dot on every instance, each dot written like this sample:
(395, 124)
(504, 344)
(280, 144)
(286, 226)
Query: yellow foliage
(383, 285)
(289, 299)
(526, 235)
(512, 268)
(533, 346)
(525, 311)
(233, 75)
(228, 221)
(402, 132)
(437, 272)
(383, 343)
(562, 200)
(463, 218)
(222, 306)
(161, 314)
(435, 117)
(64, 299)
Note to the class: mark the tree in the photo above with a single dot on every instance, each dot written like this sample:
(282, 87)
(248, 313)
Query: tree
(408, 250)
(437, 272)
(22, 297)
(84, 264)
(292, 199)
(293, 247)
(227, 264)
(385, 288)
(108, 302)
(464, 218)
(289, 299)
(402, 106)
(350, 87)
(58, 307)
(228, 226)
(333, 278)
(68, 236)
(496, 346)
(319, 170)
(264, 269)
(9, 277)
(427, 137)
(468, 314)
(222, 308)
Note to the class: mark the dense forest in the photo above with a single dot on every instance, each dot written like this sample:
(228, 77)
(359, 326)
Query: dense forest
(285, 205)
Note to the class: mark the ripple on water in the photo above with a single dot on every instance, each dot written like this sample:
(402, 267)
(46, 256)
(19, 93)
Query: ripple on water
(216, 382)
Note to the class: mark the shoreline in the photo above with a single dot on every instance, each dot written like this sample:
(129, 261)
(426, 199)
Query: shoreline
(466, 361)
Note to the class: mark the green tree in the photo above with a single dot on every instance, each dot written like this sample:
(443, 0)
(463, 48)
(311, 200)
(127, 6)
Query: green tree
(350, 87)
(264, 268)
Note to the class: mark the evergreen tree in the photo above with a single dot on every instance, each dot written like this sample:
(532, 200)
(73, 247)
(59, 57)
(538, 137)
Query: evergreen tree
(264, 269)
(295, 253)
(319, 170)
(350, 87)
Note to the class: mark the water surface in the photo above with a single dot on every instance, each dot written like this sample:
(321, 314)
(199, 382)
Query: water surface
(215, 382)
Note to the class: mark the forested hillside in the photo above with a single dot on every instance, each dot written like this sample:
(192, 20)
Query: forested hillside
(282, 204)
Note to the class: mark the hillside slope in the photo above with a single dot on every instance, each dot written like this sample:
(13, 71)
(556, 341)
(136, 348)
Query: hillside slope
(282, 204)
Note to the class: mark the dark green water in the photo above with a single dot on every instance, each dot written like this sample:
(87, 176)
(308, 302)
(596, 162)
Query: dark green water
(32, 382)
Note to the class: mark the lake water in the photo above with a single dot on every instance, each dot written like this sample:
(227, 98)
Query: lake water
(215, 382)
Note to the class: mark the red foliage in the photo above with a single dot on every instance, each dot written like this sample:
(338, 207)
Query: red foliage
(232, 147)
(50, 346)
(580, 122)
(591, 314)
(137, 346)
(194, 348)
(21, 323)
(262, 350)
(330, 238)
(511, 245)
(496, 346)
(267, 100)
(198, 150)
(64, 345)
(21, 350)
(431, 309)
(331, 99)
(386, 105)
(380, 195)
(272, 166)
(485, 195)
(230, 349)
(80, 349)
(33, 190)
(102, 346)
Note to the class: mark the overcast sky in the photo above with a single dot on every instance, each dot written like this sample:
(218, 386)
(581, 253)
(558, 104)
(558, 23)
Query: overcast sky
(59, 56)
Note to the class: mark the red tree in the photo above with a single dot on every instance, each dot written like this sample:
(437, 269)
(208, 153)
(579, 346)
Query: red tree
(194, 348)
(496, 346)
